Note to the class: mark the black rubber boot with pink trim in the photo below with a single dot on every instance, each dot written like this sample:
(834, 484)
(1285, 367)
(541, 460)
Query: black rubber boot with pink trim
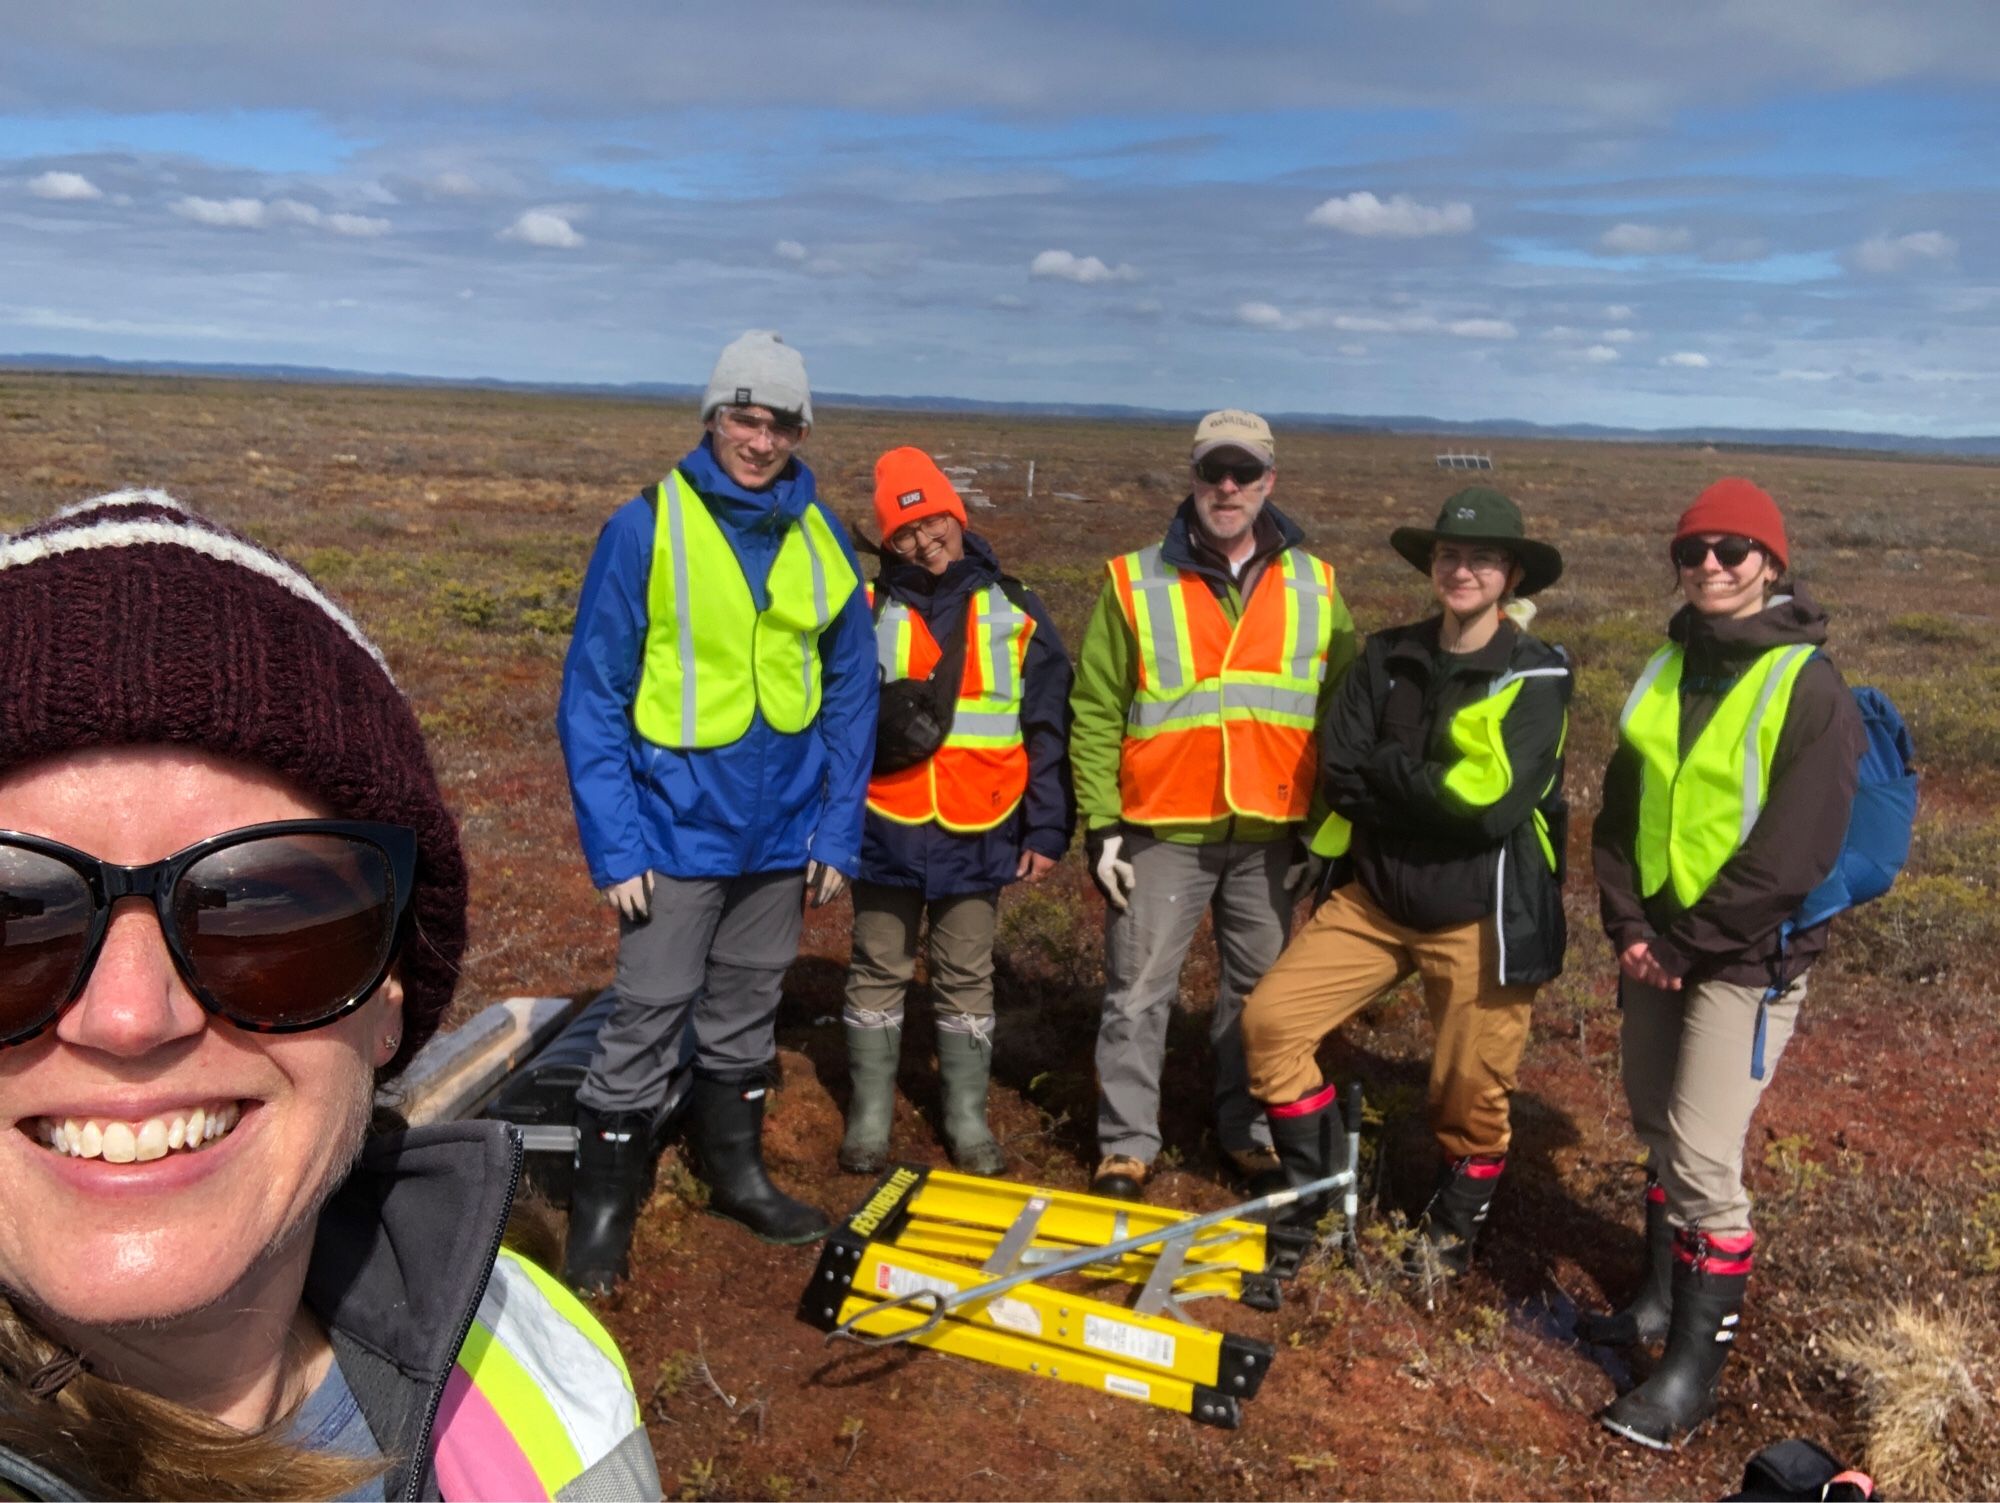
(1450, 1224)
(1710, 1275)
(1310, 1138)
(1645, 1319)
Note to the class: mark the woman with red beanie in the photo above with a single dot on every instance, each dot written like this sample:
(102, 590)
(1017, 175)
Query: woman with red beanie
(1724, 805)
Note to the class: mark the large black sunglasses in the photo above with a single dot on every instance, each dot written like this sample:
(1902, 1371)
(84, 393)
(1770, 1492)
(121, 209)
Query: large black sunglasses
(276, 927)
(1213, 470)
(1729, 551)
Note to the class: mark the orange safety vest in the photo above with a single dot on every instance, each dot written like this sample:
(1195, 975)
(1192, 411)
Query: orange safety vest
(977, 777)
(1223, 718)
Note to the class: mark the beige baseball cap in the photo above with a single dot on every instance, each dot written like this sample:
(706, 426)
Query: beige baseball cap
(1232, 428)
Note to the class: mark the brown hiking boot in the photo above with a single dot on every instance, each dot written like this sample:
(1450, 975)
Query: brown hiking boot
(1121, 1177)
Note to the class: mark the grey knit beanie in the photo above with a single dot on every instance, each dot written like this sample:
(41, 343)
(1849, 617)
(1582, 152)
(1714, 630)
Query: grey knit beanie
(758, 369)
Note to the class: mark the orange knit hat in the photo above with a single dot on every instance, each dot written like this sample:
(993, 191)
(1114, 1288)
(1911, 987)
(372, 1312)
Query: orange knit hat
(909, 487)
(1736, 505)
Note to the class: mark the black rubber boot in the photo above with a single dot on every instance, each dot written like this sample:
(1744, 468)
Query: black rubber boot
(1450, 1224)
(1645, 1319)
(965, 1067)
(726, 1131)
(1310, 1140)
(1708, 1284)
(614, 1170)
(872, 1056)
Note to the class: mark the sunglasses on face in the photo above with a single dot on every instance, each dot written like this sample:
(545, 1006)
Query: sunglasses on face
(1214, 470)
(276, 927)
(1729, 551)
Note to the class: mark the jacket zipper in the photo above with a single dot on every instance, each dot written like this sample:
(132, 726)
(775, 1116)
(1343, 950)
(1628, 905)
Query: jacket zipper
(420, 1461)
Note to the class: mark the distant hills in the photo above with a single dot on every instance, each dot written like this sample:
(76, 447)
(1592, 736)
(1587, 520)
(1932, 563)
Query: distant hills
(1974, 446)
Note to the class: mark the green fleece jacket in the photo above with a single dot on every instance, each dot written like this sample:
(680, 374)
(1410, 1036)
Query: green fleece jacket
(1107, 676)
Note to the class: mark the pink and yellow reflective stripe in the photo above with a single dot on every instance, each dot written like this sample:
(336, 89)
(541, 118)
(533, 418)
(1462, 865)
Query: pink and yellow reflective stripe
(539, 1394)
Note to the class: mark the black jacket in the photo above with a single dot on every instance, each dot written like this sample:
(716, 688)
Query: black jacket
(1731, 932)
(1430, 854)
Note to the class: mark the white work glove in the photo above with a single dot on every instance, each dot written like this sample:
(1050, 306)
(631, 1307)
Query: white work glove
(633, 898)
(823, 884)
(1114, 878)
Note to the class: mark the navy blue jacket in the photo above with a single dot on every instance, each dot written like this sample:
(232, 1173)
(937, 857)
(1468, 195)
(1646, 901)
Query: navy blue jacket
(928, 856)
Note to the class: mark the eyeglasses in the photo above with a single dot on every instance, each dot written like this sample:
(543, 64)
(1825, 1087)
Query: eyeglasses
(1213, 470)
(1447, 560)
(276, 927)
(746, 425)
(924, 530)
(1729, 551)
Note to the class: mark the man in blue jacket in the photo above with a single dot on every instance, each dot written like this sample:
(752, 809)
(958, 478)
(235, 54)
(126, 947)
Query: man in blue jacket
(717, 719)
(990, 803)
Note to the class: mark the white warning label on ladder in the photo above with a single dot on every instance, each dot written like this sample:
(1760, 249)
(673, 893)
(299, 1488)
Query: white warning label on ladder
(1135, 1343)
(1008, 1314)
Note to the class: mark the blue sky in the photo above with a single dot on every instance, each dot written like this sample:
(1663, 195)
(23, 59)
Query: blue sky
(1755, 213)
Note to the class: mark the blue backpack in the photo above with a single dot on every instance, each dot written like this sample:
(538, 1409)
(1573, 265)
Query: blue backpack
(1878, 834)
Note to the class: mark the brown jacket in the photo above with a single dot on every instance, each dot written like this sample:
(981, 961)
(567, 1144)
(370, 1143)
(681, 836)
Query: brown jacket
(1731, 932)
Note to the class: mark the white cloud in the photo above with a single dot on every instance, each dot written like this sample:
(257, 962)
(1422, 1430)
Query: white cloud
(224, 213)
(1644, 239)
(1618, 336)
(1692, 359)
(1618, 313)
(1600, 354)
(72, 186)
(358, 226)
(789, 250)
(1402, 217)
(1260, 315)
(1882, 253)
(1481, 328)
(456, 185)
(547, 228)
(1066, 266)
(1792, 374)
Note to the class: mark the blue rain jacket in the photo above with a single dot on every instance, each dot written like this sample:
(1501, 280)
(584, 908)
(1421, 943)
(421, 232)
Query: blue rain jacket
(929, 857)
(768, 801)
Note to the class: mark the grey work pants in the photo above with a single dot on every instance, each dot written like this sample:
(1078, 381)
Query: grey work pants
(711, 955)
(1687, 1077)
(886, 922)
(1145, 946)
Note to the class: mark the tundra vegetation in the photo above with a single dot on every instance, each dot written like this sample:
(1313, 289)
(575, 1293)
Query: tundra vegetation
(456, 524)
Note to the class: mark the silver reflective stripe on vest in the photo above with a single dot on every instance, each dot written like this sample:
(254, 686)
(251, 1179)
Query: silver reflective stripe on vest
(1000, 625)
(819, 607)
(1753, 765)
(966, 722)
(1153, 593)
(1508, 678)
(888, 632)
(1149, 713)
(670, 492)
(1269, 697)
(1308, 594)
(1639, 690)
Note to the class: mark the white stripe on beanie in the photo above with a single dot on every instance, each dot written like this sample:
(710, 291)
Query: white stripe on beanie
(84, 535)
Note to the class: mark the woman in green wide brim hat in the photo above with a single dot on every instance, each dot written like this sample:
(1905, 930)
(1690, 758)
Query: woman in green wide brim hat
(1441, 757)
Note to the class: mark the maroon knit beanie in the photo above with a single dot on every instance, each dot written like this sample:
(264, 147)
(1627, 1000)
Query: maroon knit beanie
(128, 620)
(1736, 505)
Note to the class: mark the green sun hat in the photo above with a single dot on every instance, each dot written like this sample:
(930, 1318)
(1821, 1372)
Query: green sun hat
(1480, 514)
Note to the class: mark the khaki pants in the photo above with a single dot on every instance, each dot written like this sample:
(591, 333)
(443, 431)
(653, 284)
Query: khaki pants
(1687, 1076)
(886, 921)
(1350, 953)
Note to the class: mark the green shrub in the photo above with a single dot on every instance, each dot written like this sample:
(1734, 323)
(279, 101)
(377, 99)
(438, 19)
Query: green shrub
(1925, 926)
(1931, 629)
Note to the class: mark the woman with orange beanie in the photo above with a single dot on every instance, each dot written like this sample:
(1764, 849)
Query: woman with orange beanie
(1724, 805)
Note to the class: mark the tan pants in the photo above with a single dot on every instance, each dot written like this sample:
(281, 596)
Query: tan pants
(1350, 953)
(1687, 1077)
(884, 963)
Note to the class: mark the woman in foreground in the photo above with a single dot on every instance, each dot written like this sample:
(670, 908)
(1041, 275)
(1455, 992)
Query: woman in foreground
(232, 904)
(1724, 805)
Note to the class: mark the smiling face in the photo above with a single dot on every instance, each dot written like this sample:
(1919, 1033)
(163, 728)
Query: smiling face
(1469, 577)
(933, 544)
(1718, 589)
(752, 444)
(257, 1129)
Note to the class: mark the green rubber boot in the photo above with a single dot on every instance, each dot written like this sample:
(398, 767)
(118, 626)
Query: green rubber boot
(872, 1056)
(964, 1066)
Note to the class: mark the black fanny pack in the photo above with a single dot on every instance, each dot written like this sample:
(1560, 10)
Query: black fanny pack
(914, 715)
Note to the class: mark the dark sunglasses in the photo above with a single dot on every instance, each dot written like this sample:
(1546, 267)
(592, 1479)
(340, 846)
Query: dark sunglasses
(276, 927)
(1214, 470)
(1729, 551)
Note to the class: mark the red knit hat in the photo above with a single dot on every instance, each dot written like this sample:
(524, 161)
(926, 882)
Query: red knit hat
(908, 487)
(1736, 505)
(128, 620)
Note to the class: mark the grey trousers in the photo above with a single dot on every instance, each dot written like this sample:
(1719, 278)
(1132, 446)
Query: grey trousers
(886, 921)
(1687, 1078)
(1145, 946)
(712, 955)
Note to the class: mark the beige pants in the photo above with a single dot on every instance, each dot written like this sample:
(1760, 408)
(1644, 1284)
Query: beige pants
(1687, 1076)
(886, 924)
(1350, 953)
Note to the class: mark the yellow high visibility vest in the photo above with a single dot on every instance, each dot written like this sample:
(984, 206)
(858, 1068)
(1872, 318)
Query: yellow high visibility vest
(712, 658)
(1695, 813)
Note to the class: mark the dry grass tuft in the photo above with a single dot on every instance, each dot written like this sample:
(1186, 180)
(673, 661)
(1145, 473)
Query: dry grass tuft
(1921, 1397)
